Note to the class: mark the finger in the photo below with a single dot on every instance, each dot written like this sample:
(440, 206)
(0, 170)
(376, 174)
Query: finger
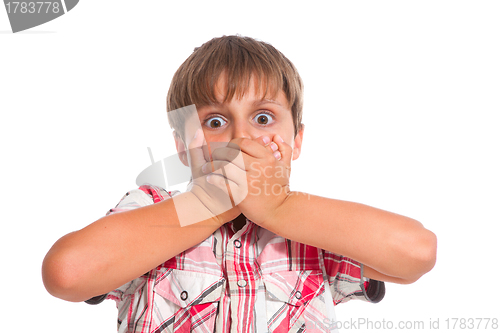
(219, 192)
(263, 140)
(225, 185)
(229, 154)
(284, 150)
(251, 147)
(231, 173)
(275, 150)
(234, 186)
(270, 145)
(216, 166)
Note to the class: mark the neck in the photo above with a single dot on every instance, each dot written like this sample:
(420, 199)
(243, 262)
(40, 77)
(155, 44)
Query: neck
(239, 222)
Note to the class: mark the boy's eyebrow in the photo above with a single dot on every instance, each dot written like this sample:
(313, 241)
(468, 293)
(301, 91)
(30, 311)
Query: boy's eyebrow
(267, 100)
(257, 102)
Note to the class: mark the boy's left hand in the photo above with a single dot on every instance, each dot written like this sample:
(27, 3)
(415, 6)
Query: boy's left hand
(256, 177)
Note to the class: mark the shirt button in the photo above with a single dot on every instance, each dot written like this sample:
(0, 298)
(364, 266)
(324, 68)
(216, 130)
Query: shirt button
(241, 283)
(237, 244)
(298, 295)
(184, 295)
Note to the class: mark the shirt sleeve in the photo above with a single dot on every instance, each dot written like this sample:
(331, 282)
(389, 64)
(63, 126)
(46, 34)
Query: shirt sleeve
(141, 197)
(346, 281)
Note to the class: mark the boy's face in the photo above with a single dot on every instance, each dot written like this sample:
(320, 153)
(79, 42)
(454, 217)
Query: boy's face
(249, 117)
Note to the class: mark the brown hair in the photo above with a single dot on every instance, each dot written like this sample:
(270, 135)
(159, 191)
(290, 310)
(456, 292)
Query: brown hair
(237, 58)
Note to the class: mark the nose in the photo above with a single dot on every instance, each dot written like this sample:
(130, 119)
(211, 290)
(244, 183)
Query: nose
(242, 129)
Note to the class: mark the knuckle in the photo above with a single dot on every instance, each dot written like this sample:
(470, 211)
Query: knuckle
(215, 179)
(270, 159)
(244, 143)
(233, 145)
(233, 154)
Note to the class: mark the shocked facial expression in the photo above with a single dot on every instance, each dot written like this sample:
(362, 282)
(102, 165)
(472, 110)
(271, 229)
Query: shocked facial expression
(250, 116)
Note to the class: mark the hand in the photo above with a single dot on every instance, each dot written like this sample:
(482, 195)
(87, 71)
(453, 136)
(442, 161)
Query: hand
(219, 202)
(256, 178)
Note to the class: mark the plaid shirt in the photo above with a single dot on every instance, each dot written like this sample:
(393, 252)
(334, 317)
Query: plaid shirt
(246, 281)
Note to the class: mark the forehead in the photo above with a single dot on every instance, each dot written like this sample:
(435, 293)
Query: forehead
(256, 94)
(258, 89)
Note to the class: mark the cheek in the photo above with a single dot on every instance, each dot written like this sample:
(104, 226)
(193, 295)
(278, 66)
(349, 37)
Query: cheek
(214, 141)
(217, 136)
(286, 130)
(288, 139)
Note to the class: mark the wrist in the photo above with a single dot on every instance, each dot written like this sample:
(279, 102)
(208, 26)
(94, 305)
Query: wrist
(209, 209)
(191, 210)
(278, 221)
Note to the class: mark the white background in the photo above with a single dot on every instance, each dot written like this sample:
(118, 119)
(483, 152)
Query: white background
(401, 113)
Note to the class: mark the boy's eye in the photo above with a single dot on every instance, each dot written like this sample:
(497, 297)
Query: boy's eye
(215, 122)
(263, 119)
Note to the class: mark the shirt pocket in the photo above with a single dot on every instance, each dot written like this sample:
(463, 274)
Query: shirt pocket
(186, 301)
(294, 300)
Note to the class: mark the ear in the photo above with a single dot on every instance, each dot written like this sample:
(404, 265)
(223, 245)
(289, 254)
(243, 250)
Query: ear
(297, 143)
(181, 148)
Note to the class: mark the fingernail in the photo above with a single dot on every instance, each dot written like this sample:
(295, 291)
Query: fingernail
(204, 168)
(277, 154)
(274, 146)
(266, 140)
(195, 134)
(209, 179)
(278, 137)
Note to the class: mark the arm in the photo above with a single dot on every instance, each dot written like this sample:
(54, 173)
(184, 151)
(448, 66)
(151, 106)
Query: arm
(393, 248)
(121, 247)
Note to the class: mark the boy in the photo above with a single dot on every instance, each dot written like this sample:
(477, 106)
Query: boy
(238, 251)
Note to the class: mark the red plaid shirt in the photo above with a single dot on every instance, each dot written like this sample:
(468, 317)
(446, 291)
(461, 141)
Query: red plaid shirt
(246, 281)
